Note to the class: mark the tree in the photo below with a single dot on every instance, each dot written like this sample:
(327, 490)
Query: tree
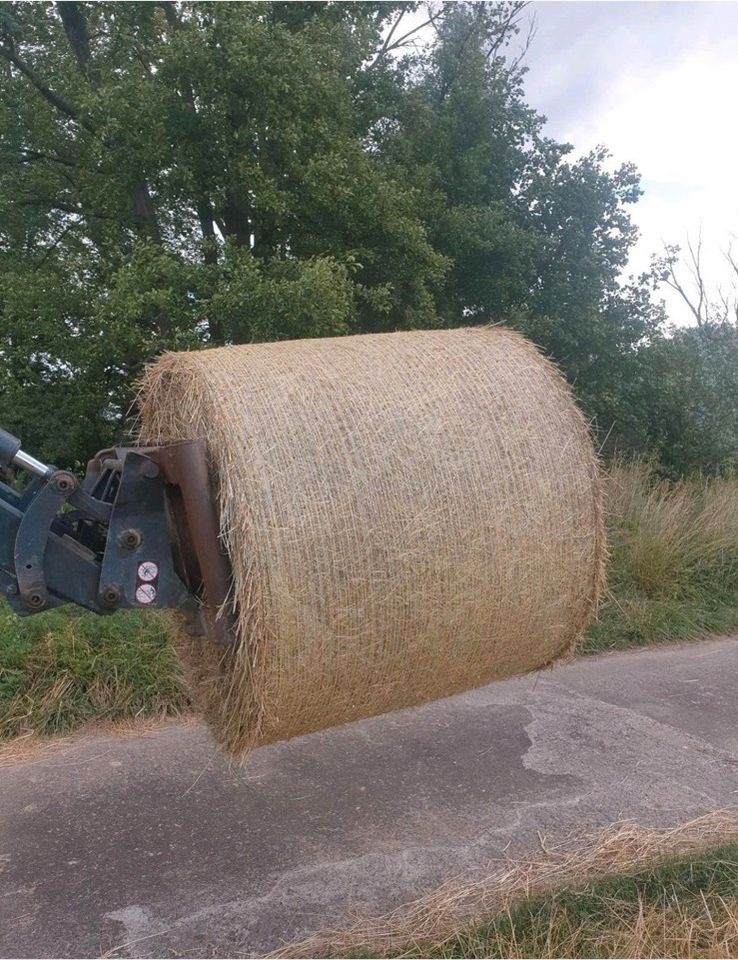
(533, 237)
(686, 390)
(181, 174)
(687, 377)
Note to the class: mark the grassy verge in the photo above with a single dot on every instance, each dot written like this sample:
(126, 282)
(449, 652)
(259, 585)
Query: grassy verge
(627, 891)
(673, 576)
(673, 572)
(62, 669)
(680, 908)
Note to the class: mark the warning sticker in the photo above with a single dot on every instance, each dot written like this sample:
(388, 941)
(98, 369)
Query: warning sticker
(146, 593)
(148, 571)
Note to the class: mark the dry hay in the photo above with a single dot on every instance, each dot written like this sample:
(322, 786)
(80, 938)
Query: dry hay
(35, 748)
(407, 515)
(571, 863)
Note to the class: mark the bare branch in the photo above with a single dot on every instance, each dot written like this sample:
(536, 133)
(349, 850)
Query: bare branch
(388, 39)
(389, 45)
(529, 38)
(731, 258)
(411, 33)
(719, 306)
(731, 304)
(513, 11)
(672, 280)
(695, 268)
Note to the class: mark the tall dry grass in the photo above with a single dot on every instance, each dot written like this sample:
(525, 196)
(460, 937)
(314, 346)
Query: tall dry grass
(673, 571)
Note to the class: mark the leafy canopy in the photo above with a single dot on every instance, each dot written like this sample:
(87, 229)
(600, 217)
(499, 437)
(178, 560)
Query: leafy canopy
(180, 174)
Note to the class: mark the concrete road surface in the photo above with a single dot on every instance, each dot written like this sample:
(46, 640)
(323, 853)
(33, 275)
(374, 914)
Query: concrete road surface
(155, 846)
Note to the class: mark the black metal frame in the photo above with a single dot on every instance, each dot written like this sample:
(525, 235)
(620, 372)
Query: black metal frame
(40, 566)
(141, 531)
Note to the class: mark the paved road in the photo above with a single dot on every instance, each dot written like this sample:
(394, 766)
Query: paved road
(156, 847)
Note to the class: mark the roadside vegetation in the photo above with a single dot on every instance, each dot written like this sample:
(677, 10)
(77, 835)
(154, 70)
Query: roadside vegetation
(65, 668)
(673, 571)
(382, 171)
(681, 908)
(627, 891)
(673, 576)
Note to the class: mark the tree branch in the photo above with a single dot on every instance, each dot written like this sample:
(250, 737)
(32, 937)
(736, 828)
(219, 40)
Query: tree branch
(63, 207)
(31, 156)
(672, 280)
(204, 206)
(449, 81)
(52, 247)
(529, 38)
(707, 308)
(56, 100)
(388, 46)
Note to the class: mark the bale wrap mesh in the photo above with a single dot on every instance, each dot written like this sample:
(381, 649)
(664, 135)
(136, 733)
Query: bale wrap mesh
(407, 515)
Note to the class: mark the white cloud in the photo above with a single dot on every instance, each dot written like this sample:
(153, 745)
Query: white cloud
(655, 83)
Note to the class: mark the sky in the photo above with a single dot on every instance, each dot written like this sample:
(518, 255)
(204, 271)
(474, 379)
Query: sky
(657, 83)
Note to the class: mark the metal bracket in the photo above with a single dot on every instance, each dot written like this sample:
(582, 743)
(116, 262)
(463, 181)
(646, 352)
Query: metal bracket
(138, 565)
(32, 536)
(195, 527)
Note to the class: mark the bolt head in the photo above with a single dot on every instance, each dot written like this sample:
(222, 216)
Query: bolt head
(64, 482)
(130, 539)
(110, 596)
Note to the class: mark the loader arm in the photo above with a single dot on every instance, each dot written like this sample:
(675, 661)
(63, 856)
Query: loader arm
(140, 531)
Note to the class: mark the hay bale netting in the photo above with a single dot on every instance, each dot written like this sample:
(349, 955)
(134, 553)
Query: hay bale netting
(408, 515)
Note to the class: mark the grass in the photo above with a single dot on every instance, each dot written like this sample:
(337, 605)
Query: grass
(673, 576)
(629, 891)
(64, 668)
(681, 908)
(673, 571)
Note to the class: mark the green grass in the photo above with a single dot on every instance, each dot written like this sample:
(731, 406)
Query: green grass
(680, 908)
(673, 571)
(61, 669)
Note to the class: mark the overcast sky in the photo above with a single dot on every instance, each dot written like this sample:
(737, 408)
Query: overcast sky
(657, 83)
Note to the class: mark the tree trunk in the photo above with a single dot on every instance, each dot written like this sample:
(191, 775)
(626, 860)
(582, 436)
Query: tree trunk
(74, 22)
(236, 219)
(75, 27)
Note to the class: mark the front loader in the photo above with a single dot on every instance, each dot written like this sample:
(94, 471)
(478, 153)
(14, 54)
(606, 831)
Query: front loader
(140, 531)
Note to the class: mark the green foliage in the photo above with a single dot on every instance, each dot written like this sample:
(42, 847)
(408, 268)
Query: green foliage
(673, 572)
(533, 237)
(175, 175)
(63, 668)
(685, 386)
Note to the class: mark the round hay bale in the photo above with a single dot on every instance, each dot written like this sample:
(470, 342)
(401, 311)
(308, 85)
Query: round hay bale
(408, 515)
